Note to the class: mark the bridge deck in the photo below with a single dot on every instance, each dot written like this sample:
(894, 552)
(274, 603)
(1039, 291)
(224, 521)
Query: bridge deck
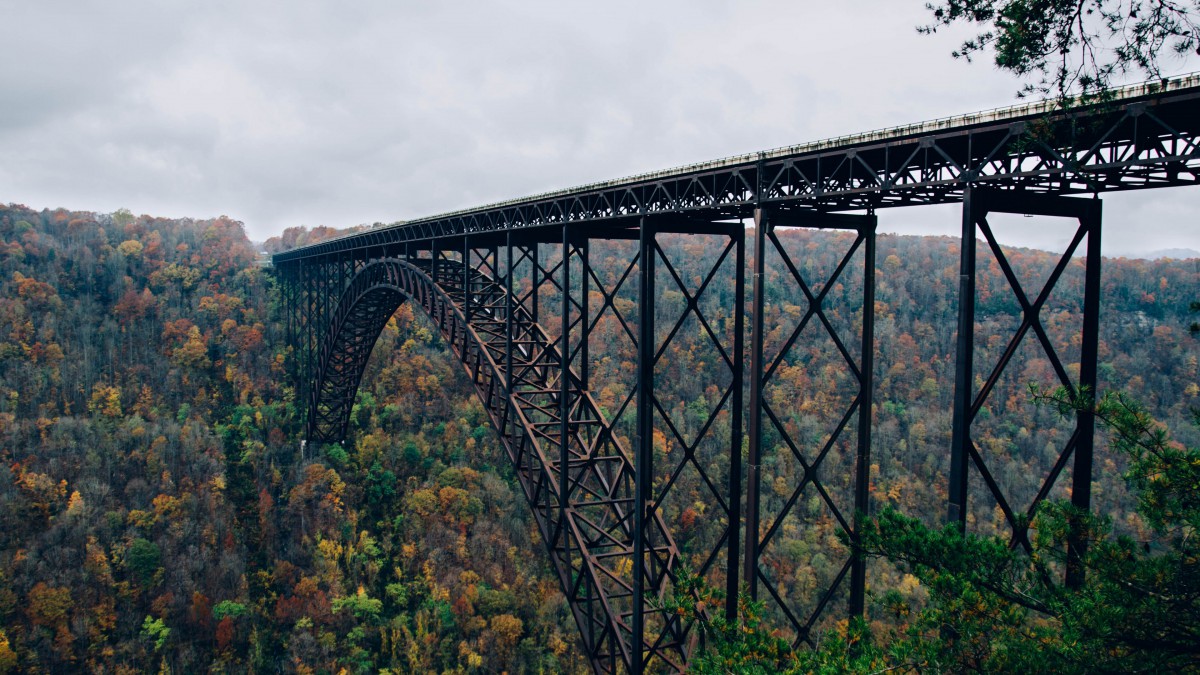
(1146, 136)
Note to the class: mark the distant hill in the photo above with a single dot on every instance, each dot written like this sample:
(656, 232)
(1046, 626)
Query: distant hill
(1171, 253)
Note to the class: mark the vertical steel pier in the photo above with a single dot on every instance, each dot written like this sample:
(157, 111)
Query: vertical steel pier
(977, 204)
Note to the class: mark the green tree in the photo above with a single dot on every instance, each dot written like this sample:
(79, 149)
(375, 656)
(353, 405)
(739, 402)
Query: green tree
(156, 631)
(742, 645)
(1072, 45)
(228, 608)
(361, 605)
(143, 558)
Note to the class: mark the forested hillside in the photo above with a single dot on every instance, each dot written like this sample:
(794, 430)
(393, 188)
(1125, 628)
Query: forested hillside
(156, 510)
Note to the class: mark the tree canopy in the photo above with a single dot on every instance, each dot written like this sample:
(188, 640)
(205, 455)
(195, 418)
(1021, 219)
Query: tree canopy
(1063, 47)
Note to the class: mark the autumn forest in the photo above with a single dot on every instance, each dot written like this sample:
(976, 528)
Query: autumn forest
(159, 514)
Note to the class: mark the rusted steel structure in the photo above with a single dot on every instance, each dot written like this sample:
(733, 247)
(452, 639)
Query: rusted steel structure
(597, 494)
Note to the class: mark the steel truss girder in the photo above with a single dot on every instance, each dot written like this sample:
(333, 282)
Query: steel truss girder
(1138, 142)
(977, 204)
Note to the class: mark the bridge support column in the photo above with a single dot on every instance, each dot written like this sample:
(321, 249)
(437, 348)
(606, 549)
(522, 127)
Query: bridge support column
(977, 205)
(537, 276)
(509, 294)
(316, 301)
(732, 581)
(771, 420)
(1081, 475)
(963, 363)
(762, 225)
(307, 300)
(582, 252)
(435, 252)
(564, 399)
(467, 268)
(644, 462)
(862, 470)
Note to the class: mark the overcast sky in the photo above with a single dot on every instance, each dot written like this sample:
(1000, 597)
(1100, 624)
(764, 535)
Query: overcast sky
(315, 112)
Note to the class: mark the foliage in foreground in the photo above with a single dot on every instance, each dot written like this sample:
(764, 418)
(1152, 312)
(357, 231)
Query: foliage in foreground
(1071, 45)
(995, 609)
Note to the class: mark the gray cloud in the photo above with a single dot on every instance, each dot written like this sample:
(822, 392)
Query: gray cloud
(316, 112)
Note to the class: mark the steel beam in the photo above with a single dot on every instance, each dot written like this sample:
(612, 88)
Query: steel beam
(862, 471)
(644, 466)
(964, 371)
(1081, 475)
(762, 225)
(732, 585)
(564, 396)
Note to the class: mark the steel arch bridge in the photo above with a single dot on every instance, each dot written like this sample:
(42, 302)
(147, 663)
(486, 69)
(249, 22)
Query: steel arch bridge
(597, 488)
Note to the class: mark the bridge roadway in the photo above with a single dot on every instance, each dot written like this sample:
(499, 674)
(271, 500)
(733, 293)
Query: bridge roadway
(1146, 137)
(598, 494)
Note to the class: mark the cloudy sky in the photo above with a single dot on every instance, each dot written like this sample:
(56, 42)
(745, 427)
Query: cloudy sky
(317, 112)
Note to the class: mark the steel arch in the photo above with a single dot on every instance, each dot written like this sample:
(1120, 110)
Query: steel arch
(591, 538)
